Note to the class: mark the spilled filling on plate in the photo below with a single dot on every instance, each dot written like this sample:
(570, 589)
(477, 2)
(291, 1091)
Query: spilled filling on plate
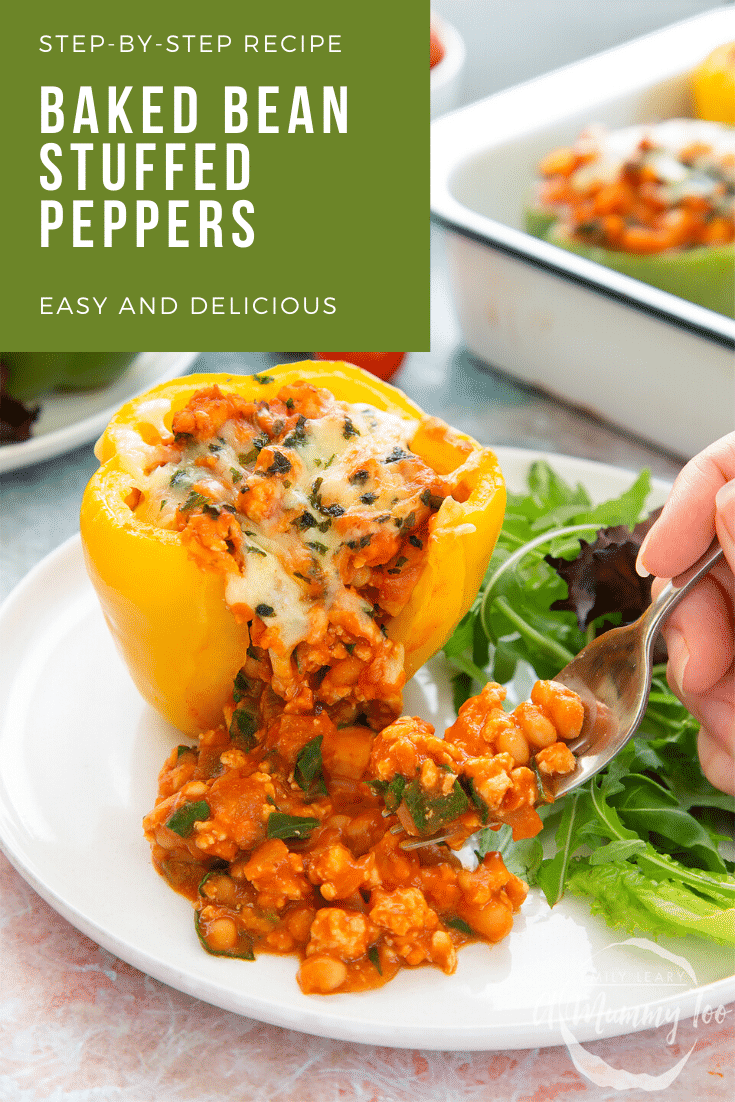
(316, 819)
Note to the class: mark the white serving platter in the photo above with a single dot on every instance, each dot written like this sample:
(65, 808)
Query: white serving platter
(645, 360)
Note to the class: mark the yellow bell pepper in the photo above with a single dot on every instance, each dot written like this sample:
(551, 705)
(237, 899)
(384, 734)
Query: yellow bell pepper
(169, 617)
(713, 85)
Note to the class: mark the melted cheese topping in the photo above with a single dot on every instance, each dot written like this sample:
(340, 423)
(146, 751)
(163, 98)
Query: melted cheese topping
(669, 157)
(315, 502)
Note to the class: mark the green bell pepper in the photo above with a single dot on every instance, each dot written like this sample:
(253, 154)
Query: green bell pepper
(704, 274)
(32, 374)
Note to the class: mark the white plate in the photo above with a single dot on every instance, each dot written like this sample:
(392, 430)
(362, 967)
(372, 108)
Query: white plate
(67, 421)
(80, 754)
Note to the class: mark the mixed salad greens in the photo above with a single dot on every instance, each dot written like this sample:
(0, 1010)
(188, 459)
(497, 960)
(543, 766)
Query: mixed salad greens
(645, 840)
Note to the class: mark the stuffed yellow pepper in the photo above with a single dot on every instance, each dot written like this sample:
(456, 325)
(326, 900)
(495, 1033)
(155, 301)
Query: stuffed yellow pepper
(652, 202)
(311, 526)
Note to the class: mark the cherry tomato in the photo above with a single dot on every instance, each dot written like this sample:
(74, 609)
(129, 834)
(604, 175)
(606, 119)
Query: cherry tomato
(382, 364)
(436, 48)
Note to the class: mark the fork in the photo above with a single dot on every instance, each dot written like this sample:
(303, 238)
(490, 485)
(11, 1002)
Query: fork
(612, 674)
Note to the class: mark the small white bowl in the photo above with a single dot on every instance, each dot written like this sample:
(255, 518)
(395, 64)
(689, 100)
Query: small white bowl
(445, 77)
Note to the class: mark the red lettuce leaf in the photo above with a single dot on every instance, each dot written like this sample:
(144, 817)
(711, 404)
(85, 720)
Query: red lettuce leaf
(602, 579)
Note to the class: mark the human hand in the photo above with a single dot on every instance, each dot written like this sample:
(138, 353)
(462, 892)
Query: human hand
(700, 632)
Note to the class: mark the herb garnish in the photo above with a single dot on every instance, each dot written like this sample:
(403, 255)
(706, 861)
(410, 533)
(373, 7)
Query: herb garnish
(195, 501)
(364, 541)
(306, 520)
(314, 496)
(400, 562)
(258, 443)
(391, 791)
(433, 501)
(297, 434)
(280, 465)
(241, 686)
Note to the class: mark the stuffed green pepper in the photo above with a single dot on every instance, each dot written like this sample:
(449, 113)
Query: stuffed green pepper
(655, 202)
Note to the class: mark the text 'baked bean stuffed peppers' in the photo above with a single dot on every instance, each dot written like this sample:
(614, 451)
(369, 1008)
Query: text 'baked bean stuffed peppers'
(314, 517)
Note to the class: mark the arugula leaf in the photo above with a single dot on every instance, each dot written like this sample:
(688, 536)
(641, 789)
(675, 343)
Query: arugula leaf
(648, 808)
(551, 876)
(522, 858)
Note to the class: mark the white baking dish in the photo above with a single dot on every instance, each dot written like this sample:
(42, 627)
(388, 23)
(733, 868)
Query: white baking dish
(656, 365)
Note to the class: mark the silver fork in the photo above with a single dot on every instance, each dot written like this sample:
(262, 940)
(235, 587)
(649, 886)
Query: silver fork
(613, 676)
